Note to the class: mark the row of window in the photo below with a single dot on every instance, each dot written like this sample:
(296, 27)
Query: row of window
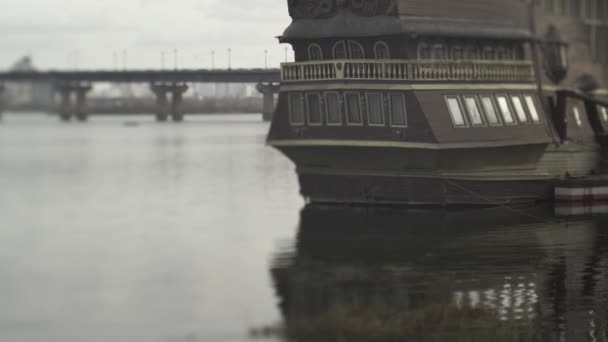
(335, 109)
(602, 110)
(493, 110)
(350, 49)
(428, 51)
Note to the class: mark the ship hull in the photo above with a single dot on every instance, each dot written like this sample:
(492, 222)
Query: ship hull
(436, 177)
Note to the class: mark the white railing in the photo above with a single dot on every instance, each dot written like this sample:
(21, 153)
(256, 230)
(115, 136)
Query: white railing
(410, 70)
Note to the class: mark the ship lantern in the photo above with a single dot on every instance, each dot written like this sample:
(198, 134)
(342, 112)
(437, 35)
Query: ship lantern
(555, 50)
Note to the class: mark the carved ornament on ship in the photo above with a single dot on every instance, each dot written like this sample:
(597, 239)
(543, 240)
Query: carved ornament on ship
(322, 9)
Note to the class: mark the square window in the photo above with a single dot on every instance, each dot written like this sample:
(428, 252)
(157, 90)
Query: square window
(603, 113)
(505, 110)
(473, 109)
(519, 109)
(456, 111)
(314, 109)
(490, 110)
(532, 109)
(334, 114)
(296, 112)
(577, 116)
(398, 111)
(375, 109)
(353, 108)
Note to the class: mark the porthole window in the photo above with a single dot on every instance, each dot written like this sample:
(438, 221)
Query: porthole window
(398, 110)
(456, 111)
(519, 109)
(339, 50)
(490, 110)
(315, 53)
(532, 109)
(473, 110)
(356, 50)
(296, 109)
(314, 109)
(577, 116)
(424, 51)
(505, 110)
(334, 113)
(353, 108)
(375, 109)
(381, 51)
(603, 113)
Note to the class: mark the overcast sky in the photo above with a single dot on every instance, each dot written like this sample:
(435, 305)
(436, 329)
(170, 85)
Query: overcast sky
(62, 33)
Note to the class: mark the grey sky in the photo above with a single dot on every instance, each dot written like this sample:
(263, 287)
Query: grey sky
(55, 31)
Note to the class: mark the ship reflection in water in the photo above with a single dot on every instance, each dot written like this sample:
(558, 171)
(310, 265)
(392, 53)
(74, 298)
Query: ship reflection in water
(442, 276)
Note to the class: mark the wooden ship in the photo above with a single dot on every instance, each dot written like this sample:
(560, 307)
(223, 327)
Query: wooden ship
(442, 102)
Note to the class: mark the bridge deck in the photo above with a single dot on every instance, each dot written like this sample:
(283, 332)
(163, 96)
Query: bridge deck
(148, 76)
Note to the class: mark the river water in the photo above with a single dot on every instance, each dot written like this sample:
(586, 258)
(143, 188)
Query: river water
(122, 229)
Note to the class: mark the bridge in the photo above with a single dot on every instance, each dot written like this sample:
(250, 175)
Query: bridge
(167, 85)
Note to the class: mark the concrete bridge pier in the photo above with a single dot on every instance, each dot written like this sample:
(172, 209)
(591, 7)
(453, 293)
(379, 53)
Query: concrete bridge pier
(164, 92)
(1, 100)
(269, 90)
(77, 108)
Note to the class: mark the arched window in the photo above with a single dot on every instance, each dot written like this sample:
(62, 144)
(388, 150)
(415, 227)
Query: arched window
(339, 50)
(314, 52)
(381, 51)
(488, 53)
(424, 51)
(501, 53)
(457, 53)
(471, 52)
(356, 50)
(438, 52)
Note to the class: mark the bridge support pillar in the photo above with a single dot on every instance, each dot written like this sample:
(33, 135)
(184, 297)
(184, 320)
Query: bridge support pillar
(163, 93)
(78, 107)
(268, 91)
(2, 99)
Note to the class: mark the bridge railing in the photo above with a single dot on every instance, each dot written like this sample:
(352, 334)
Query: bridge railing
(409, 70)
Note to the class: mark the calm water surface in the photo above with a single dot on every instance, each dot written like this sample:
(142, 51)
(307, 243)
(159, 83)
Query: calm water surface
(123, 229)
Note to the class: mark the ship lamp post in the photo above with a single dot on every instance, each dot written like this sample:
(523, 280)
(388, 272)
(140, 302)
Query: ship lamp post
(555, 51)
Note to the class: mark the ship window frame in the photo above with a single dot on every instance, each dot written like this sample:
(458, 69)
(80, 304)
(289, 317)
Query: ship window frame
(467, 52)
(439, 47)
(468, 109)
(339, 44)
(522, 117)
(327, 110)
(319, 49)
(308, 112)
(347, 109)
(359, 46)
(495, 110)
(453, 53)
(603, 113)
(390, 116)
(384, 45)
(424, 46)
(488, 53)
(462, 114)
(290, 101)
(532, 107)
(369, 112)
(509, 107)
(577, 116)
